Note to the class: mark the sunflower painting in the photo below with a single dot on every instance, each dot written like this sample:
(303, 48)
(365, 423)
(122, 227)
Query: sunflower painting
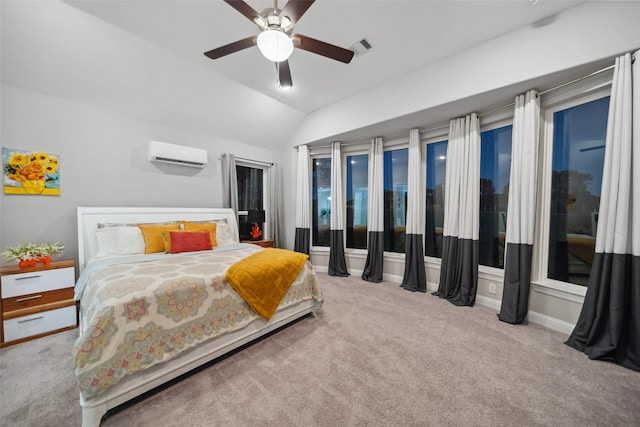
(30, 172)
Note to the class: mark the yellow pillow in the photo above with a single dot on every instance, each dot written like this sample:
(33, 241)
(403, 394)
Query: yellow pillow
(202, 226)
(152, 234)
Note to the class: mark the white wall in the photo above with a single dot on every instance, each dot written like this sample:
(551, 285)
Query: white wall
(103, 162)
(577, 36)
(483, 77)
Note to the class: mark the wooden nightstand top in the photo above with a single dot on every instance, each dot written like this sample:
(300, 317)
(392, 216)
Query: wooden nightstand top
(263, 243)
(15, 269)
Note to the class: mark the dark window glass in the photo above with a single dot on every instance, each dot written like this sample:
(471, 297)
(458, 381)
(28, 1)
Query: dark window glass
(578, 158)
(395, 199)
(495, 166)
(357, 201)
(436, 169)
(321, 214)
(250, 196)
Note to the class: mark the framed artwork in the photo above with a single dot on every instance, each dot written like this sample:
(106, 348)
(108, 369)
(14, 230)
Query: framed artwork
(30, 172)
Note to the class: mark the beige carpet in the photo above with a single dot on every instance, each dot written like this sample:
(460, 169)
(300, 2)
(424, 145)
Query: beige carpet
(376, 355)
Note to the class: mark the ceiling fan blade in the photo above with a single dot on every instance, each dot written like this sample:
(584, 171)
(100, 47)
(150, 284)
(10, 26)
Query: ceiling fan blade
(284, 75)
(294, 9)
(231, 48)
(244, 9)
(322, 48)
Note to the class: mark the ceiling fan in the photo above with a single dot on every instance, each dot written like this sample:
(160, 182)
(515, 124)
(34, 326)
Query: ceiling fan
(276, 41)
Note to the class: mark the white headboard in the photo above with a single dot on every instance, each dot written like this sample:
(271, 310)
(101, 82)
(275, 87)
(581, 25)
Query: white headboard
(90, 217)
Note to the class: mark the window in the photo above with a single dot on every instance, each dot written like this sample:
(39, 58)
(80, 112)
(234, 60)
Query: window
(495, 166)
(251, 195)
(321, 213)
(357, 201)
(578, 157)
(396, 164)
(436, 169)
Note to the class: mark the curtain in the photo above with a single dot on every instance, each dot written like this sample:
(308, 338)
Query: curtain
(375, 221)
(609, 324)
(459, 268)
(276, 208)
(414, 278)
(337, 264)
(303, 213)
(521, 208)
(229, 183)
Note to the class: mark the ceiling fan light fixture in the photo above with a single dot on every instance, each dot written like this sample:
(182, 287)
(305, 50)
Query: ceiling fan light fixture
(275, 45)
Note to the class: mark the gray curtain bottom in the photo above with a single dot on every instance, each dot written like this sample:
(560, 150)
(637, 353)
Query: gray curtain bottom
(375, 257)
(517, 282)
(337, 264)
(609, 324)
(459, 271)
(414, 278)
(302, 242)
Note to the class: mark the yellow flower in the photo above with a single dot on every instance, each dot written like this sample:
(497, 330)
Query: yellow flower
(41, 158)
(51, 168)
(53, 160)
(18, 159)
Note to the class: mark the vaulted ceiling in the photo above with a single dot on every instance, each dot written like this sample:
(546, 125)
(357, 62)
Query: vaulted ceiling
(145, 58)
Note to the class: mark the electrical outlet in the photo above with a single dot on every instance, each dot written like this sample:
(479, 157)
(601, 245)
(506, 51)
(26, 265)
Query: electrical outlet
(492, 288)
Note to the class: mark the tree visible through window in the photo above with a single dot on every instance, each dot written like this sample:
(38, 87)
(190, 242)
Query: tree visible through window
(321, 213)
(396, 174)
(579, 135)
(250, 196)
(436, 170)
(357, 201)
(495, 166)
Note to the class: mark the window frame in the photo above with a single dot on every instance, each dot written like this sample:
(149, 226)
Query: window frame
(346, 151)
(584, 92)
(266, 176)
(493, 121)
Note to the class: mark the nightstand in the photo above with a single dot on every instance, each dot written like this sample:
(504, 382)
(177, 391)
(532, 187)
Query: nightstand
(263, 243)
(36, 301)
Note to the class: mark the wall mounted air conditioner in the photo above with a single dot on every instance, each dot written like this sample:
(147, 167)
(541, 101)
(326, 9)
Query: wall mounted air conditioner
(177, 154)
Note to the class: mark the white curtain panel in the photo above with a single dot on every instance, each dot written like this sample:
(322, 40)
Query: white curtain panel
(275, 204)
(414, 278)
(229, 182)
(303, 211)
(337, 264)
(375, 221)
(609, 324)
(521, 208)
(336, 188)
(459, 268)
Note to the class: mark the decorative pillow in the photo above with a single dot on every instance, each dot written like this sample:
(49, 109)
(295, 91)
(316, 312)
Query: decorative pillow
(201, 226)
(119, 241)
(152, 234)
(190, 241)
(224, 235)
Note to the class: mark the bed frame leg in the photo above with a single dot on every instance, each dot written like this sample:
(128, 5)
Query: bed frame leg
(91, 417)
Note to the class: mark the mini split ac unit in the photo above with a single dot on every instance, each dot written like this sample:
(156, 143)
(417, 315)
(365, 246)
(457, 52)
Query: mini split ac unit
(177, 154)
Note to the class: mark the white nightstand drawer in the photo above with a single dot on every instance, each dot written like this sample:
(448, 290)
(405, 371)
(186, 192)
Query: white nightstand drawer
(37, 323)
(37, 281)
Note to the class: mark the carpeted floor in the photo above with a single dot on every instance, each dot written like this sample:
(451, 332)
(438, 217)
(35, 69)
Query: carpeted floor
(376, 355)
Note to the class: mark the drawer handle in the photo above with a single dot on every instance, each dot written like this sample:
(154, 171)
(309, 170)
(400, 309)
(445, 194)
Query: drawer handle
(28, 298)
(28, 277)
(29, 320)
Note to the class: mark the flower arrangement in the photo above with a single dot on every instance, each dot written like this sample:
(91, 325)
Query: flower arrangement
(29, 254)
(32, 170)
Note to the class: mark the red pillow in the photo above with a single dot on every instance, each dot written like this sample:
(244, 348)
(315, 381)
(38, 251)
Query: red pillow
(190, 241)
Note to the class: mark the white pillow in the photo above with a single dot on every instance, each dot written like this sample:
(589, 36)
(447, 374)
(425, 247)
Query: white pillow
(119, 241)
(224, 235)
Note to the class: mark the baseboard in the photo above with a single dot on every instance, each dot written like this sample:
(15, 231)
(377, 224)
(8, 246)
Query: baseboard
(550, 322)
(532, 316)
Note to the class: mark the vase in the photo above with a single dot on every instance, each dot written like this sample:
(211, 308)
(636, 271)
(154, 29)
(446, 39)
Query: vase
(35, 186)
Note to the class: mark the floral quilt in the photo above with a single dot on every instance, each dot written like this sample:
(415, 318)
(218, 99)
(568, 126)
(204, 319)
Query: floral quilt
(141, 313)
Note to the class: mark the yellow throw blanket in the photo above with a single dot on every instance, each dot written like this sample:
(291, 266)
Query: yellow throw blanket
(262, 279)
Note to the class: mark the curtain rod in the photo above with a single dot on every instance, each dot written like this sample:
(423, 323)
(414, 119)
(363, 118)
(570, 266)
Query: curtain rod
(242, 159)
(511, 104)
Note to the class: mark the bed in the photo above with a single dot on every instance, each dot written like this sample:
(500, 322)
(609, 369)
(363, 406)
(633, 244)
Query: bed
(146, 319)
